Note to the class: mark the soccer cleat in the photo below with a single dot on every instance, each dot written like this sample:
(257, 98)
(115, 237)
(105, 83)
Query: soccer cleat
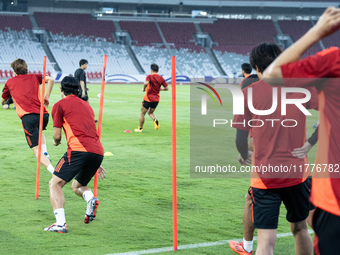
(91, 210)
(156, 122)
(238, 248)
(57, 228)
(139, 130)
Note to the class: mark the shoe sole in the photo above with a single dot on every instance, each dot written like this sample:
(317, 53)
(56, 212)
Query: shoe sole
(57, 231)
(89, 218)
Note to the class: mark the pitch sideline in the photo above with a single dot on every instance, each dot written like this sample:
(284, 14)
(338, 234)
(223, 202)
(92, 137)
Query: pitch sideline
(193, 246)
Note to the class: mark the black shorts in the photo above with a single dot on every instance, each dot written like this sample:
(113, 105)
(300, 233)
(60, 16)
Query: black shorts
(82, 165)
(85, 98)
(148, 105)
(327, 232)
(309, 183)
(30, 123)
(266, 204)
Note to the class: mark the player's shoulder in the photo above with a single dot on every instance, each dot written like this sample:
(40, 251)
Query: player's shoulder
(79, 70)
(331, 50)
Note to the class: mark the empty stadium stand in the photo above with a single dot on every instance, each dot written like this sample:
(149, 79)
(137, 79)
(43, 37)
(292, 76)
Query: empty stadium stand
(296, 29)
(68, 55)
(16, 42)
(144, 32)
(80, 25)
(77, 36)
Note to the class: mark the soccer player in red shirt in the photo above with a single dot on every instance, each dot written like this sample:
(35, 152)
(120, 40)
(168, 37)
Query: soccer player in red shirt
(25, 90)
(152, 85)
(83, 157)
(325, 193)
(273, 143)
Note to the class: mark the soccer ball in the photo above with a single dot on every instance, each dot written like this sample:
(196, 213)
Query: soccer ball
(98, 95)
(5, 106)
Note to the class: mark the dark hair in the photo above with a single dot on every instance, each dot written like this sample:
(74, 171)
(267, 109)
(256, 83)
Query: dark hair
(69, 85)
(263, 55)
(83, 62)
(154, 67)
(19, 66)
(246, 67)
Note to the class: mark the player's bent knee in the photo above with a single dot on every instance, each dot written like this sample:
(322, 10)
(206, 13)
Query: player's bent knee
(75, 186)
(296, 227)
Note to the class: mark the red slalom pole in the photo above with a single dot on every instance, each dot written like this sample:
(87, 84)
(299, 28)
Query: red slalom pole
(42, 96)
(174, 175)
(100, 118)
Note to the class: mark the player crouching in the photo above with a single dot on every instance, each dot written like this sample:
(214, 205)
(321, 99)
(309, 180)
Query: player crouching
(83, 157)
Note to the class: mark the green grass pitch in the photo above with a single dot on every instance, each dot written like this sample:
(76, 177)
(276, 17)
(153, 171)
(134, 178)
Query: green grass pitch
(135, 210)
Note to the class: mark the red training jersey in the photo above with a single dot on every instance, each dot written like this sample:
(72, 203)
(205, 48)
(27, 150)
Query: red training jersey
(154, 86)
(326, 183)
(273, 140)
(25, 91)
(77, 119)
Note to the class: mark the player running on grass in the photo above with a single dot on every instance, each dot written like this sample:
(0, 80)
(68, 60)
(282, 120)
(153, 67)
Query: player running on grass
(325, 193)
(83, 157)
(152, 86)
(273, 145)
(25, 90)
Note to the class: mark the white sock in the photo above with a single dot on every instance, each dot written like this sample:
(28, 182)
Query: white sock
(87, 195)
(60, 216)
(50, 168)
(44, 148)
(247, 245)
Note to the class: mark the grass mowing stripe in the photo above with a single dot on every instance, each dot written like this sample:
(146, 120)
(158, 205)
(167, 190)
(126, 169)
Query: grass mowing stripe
(193, 246)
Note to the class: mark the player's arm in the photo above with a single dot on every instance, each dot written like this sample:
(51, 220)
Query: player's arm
(166, 88)
(56, 136)
(328, 23)
(101, 172)
(303, 151)
(5, 95)
(242, 146)
(3, 101)
(50, 82)
(82, 85)
(146, 83)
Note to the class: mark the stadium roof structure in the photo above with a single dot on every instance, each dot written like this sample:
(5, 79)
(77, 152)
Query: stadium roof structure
(171, 8)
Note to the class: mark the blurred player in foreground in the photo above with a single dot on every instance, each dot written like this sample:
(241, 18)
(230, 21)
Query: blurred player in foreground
(25, 90)
(325, 193)
(246, 246)
(83, 157)
(152, 86)
(273, 145)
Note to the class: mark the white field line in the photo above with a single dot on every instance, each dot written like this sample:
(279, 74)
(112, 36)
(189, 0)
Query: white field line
(192, 246)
